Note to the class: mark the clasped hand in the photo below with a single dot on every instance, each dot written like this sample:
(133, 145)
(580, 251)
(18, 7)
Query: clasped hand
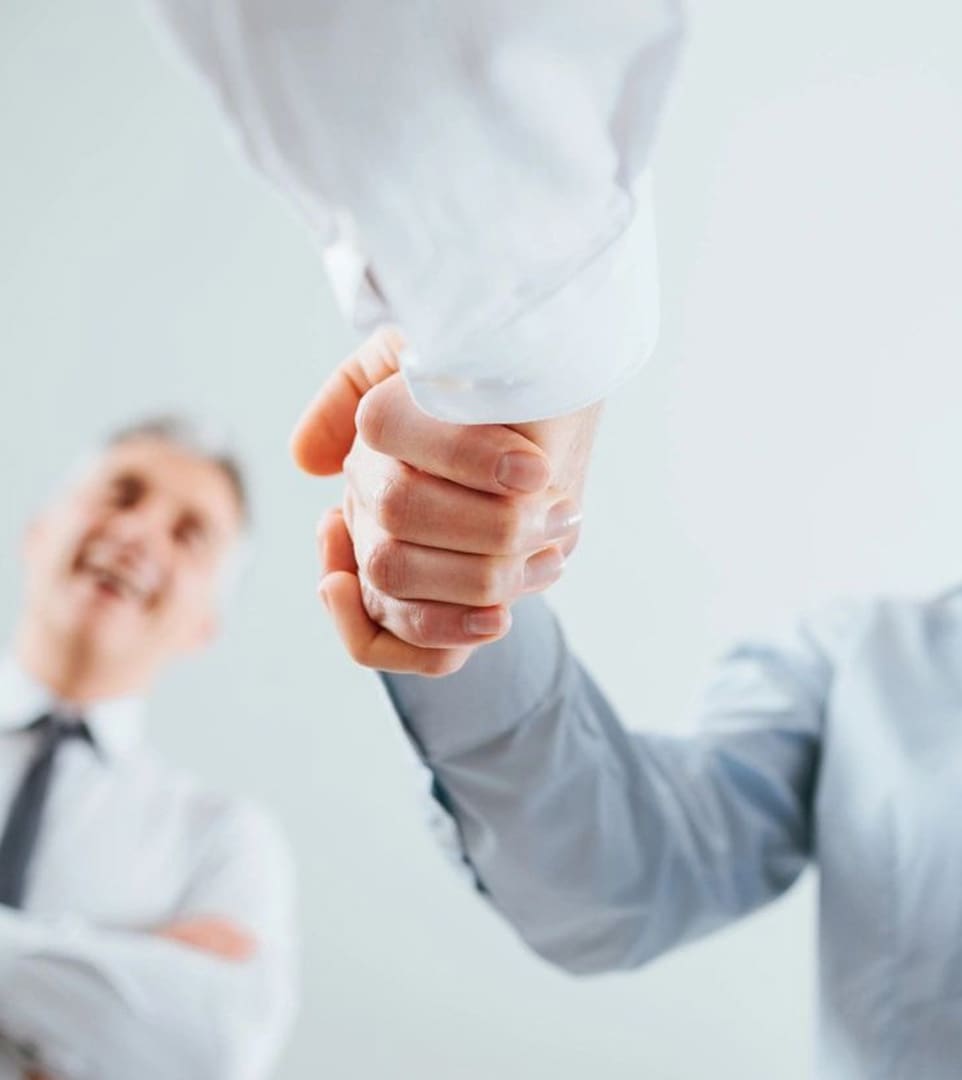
(443, 526)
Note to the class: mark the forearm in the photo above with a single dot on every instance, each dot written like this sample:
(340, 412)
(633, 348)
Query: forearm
(108, 1005)
(601, 847)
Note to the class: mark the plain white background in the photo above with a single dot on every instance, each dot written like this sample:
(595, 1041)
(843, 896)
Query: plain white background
(796, 436)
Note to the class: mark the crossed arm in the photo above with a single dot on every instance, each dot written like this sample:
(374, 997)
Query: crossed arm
(82, 1002)
(204, 998)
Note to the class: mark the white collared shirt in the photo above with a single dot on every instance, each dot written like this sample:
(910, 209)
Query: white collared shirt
(477, 174)
(129, 844)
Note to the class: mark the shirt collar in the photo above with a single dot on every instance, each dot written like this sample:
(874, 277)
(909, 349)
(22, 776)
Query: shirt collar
(117, 725)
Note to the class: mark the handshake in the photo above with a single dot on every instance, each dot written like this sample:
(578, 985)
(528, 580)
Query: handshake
(443, 526)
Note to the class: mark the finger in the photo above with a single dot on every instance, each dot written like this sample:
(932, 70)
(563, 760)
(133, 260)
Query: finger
(405, 571)
(411, 505)
(323, 435)
(213, 936)
(486, 457)
(425, 624)
(430, 624)
(372, 646)
(225, 942)
(234, 944)
(334, 545)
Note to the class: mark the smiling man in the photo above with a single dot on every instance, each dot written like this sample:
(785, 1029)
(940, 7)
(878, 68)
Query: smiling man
(146, 923)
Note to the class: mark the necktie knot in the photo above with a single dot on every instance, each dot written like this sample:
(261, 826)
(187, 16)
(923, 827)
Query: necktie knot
(55, 728)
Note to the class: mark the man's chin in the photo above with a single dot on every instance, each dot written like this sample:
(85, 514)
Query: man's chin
(102, 621)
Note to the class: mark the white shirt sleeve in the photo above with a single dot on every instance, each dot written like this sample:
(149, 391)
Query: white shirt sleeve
(85, 1003)
(477, 174)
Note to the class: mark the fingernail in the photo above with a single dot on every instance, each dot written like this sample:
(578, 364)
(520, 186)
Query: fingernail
(543, 569)
(562, 518)
(523, 472)
(483, 623)
(322, 592)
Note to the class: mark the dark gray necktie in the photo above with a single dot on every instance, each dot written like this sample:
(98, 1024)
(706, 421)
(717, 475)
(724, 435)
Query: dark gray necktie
(23, 823)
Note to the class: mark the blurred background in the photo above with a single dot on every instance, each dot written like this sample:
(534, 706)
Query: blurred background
(796, 436)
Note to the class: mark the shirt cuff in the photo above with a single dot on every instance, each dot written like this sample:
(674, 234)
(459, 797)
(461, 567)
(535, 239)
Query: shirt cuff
(569, 349)
(491, 695)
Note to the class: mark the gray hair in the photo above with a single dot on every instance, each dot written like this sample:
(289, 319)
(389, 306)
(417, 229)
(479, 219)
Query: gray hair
(201, 440)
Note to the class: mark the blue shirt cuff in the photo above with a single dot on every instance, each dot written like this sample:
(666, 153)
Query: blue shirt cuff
(491, 695)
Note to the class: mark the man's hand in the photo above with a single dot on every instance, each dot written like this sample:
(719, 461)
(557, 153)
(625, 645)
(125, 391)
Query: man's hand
(211, 935)
(443, 525)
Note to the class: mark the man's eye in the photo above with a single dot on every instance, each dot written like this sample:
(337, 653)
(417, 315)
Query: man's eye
(126, 492)
(189, 533)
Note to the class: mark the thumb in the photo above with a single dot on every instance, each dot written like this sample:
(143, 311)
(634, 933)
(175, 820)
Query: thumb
(325, 432)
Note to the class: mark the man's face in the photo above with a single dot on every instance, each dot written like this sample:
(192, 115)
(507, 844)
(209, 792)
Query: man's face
(125, 566)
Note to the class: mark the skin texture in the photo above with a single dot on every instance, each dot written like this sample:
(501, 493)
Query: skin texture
(123, 574)
(443, 526)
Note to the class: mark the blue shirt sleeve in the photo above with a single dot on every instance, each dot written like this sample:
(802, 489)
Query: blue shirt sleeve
(605, 847)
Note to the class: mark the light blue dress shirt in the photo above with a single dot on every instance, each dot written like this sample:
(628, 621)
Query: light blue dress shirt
(840, 744)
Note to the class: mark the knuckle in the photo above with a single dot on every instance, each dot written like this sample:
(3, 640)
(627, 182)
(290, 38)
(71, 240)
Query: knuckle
(508, 526)
(419, 629)
(384, 565)
(393, 502)
(494, 583)
(443, 662)
(371, 419)
(373, 604)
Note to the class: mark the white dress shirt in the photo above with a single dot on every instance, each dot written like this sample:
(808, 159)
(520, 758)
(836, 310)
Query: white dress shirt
(129, 844)
(477, 174)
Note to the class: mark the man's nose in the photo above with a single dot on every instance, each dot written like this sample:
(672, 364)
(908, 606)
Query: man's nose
(141, 528)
